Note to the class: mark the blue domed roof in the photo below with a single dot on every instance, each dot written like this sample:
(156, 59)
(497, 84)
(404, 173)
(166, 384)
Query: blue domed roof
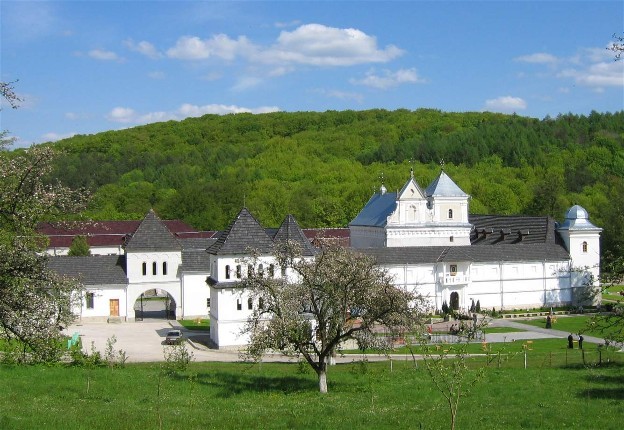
(577, 212)
(577, 218)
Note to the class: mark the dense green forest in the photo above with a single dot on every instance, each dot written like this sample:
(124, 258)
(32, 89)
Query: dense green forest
(323, 167)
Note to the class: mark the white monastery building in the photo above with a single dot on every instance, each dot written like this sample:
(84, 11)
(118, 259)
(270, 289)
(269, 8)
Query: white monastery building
(424, 237)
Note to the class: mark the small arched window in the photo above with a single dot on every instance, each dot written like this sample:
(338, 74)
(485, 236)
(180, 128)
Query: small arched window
(250, 270)
(450, 213)
(250, 303)
(239, 271)
(260, 303)
(451, 239)
(164, 272)
(261, 270)
(227, 272)
(584, 246)
(144, 268)
(154, 268)
(271, 270)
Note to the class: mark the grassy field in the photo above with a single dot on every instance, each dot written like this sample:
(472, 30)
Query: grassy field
(276, 396)
(576, 324)
(196, 324)
(613, 293)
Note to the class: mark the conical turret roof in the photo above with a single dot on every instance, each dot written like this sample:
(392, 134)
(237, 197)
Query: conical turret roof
(443, 186)
(152, 235)
(244, 234)
(290, 231)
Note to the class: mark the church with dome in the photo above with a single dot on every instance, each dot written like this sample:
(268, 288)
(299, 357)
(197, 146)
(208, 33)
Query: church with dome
(428, 240)
(424, 237)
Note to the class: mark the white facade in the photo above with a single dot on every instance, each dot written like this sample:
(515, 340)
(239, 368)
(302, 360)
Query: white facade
(527, 269)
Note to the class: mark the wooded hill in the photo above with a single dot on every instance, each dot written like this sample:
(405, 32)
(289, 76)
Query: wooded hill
(323, 167)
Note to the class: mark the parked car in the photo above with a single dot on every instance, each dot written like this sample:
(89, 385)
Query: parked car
(174, 337)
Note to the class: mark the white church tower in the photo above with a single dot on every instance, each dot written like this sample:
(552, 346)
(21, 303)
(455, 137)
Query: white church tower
(582, 240)
(436, 216)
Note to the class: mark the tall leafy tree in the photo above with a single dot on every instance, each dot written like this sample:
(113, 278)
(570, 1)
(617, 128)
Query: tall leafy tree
(34, 301)
(79, 247)
(335, 296)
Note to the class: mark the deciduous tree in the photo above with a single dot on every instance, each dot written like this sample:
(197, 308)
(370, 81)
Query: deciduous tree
(336, 296)
(34, 301)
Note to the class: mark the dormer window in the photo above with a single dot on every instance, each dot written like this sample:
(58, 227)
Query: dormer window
(450, 214)
(227, 272)
(584, 246)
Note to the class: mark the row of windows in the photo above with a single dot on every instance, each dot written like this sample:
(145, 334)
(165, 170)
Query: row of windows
(155, 268)
(239, 304)
(251, 271)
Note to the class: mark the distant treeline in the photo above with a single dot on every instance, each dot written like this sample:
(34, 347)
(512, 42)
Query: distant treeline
(323, 167)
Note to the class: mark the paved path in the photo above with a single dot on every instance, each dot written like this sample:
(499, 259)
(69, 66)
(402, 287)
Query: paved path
(144, 341)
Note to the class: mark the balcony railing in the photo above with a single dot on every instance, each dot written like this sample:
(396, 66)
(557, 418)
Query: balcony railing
(455, 279)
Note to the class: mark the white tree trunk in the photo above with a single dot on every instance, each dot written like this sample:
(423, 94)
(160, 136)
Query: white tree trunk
(322, 375)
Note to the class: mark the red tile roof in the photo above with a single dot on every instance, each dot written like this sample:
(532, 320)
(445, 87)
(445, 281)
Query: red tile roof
(106, 233)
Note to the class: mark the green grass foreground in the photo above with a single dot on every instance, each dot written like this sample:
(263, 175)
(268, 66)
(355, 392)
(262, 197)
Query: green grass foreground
(201, 324)
(274, 396)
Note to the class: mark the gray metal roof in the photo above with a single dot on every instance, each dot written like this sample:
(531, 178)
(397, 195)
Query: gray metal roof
(153, 236)
(92, 270)
(195, 260)
(512, 229)
(443, 186)
(243, 235)
(577, 218)
(290, 231)
(468, 253)
(376, 212)
(197, 243)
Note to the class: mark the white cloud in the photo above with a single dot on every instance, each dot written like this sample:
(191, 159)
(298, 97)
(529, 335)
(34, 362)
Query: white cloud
(128, 115)
(589, 67)
(144, 48)
(319, 45)
(100, 54)
(538, 58)
(389, 79)
(310, 44)
(220, 45)
(598, 75)
(505, 104)
(122, 114)
(53, 137)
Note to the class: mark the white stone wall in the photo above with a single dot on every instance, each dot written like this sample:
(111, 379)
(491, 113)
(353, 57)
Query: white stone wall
(101, 303)
(505, 285)
(195, 294)
(134, 265)
(226, 319)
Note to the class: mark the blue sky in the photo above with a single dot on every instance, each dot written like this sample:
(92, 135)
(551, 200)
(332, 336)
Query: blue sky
(90, 66)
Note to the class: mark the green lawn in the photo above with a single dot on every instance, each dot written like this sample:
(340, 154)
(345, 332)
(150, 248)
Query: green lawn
(575, 324)
(281, 396)
(612, 293)
(196, 324)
